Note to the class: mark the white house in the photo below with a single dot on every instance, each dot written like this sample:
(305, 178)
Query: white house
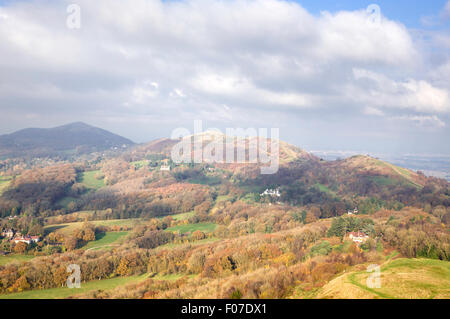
(358, 237)
(271, 192)
(26, 239)
(165, 168)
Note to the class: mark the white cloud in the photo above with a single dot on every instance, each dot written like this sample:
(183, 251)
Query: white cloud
(441, 40)
(420, 96)
(437, 19)
(445, 13)
(177, 93)
(262, 54)
(373, 111)
(244, 90)
(423, 121)
(352, 35)
(144, 91)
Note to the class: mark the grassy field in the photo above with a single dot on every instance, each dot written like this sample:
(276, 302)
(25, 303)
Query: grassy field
(195, 243)
(400, 278)
(325, 189)
(81, 215)
(403, 172)
(68, 228)
(64, 292)
(171, 277)
(107, 241)
(189, 228)
(388, 181)
(397, 172)
(182, 216)
(65, 201)
(222, 198)
(13, 258)
(205, 180)
(383, 180)
(4, 182)
(139, 164)
(88, 179)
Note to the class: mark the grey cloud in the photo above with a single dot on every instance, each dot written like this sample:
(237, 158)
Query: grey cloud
(246, 62)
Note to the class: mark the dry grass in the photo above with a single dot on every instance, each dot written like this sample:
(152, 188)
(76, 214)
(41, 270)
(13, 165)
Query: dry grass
(4, 183)
(68, 228)
(401, 278)
(366, 164)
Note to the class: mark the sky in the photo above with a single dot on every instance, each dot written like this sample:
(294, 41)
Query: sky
(331, 75)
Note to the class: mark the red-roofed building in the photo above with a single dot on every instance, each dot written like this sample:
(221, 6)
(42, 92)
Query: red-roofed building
(358, 237)
(26, 239)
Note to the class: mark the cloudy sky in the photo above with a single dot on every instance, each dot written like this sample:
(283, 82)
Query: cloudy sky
(332, 75)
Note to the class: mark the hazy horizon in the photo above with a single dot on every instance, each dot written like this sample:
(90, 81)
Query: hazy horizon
(326, 153)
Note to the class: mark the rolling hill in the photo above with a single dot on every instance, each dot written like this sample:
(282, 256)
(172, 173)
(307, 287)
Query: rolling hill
(198, 225)
(75, 137)
(401, 278)
(287, 153)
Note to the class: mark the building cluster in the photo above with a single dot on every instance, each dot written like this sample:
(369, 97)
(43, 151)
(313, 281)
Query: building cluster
(17, 237)
(354, 212)
(271, 192)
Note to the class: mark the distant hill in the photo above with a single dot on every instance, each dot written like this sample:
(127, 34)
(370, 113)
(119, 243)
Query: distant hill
(76, 138)
(366, 165)
(306, 179)
(287, 153)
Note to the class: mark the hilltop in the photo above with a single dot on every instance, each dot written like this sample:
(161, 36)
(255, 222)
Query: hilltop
(287, 153)
(76, 137)
(372, 166)
(400, 278)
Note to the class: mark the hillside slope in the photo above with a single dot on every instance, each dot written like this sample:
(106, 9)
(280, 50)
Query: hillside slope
(401, 278)
(163, 146)
(77, 136)
(366, 165)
